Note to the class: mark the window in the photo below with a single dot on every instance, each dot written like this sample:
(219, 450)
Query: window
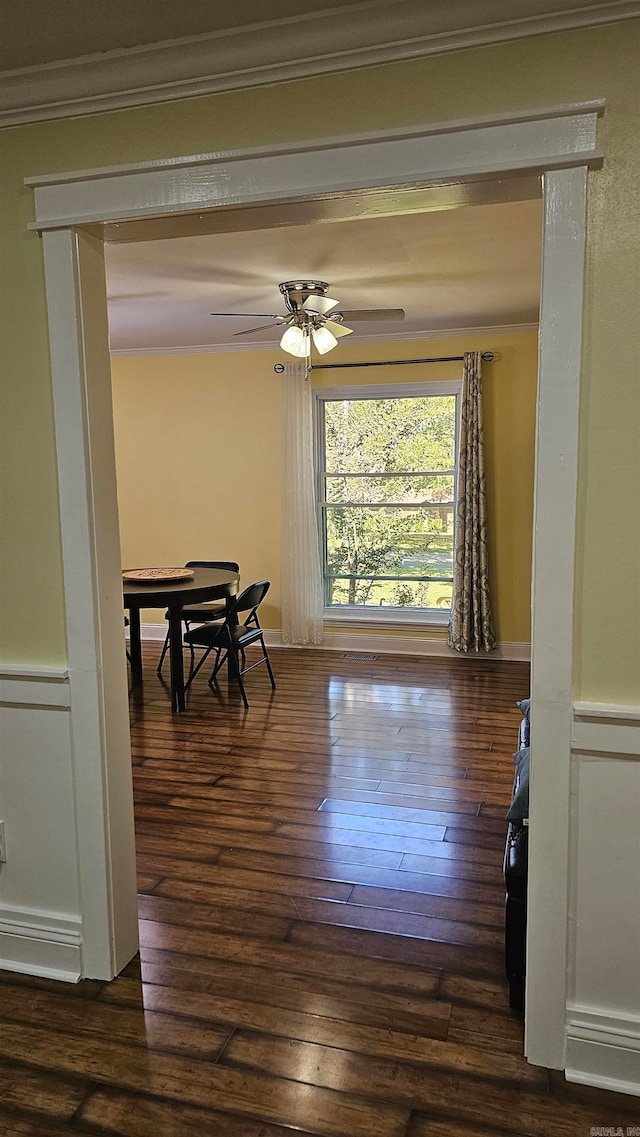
(386, 475)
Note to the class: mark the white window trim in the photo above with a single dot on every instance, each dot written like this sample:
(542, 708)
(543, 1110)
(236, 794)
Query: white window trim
(396, 390)
(417, 618)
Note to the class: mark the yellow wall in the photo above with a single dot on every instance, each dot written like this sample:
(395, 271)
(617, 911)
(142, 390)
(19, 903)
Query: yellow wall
(185, 490)
(541, 71)
(199, 456)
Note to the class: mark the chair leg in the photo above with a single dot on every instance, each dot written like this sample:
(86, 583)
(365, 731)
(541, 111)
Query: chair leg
(194, 671)
(266, 659)
(238, 675)
(242, 690)
(165, 648)
(191, 651)
(218, 664)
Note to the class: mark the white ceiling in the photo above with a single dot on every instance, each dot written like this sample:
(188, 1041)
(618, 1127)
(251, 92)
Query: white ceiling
(471, 267)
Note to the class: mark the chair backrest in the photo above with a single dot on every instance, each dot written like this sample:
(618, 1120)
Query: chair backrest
(230, 566)
(250, 600)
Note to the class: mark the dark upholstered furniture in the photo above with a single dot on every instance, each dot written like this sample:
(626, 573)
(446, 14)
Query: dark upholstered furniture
(516, 860)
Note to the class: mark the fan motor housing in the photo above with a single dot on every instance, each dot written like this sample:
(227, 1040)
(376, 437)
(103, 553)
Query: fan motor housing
(295, 292)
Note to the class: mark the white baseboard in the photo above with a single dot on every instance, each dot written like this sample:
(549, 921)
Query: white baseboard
(372, 641)
(603, 1050)
(417, 645)
(153, 633)
(40, 943)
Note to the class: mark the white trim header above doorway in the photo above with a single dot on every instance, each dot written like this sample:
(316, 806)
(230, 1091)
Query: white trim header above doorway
(530, 142)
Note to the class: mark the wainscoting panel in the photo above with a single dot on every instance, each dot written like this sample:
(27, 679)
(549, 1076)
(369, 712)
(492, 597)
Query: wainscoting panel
(603, 1011)
(39, 904)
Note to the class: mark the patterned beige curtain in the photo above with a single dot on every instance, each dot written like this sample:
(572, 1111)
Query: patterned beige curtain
(471, 623)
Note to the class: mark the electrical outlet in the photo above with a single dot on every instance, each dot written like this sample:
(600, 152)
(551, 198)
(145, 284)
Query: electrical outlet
(3, 847)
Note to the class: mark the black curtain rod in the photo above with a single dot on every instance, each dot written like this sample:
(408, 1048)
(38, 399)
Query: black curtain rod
(486, 356)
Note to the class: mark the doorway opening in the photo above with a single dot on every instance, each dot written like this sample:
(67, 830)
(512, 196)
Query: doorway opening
(75, 286)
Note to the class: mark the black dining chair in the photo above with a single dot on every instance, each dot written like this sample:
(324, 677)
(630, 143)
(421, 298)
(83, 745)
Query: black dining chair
(229, 638)
(200, 613)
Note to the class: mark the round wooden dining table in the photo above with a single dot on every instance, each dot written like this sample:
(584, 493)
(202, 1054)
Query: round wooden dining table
(205, 584)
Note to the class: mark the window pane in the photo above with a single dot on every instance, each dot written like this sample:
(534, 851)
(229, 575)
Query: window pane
(383, 435)
(409, 489)
(389, 542)
(389, 594)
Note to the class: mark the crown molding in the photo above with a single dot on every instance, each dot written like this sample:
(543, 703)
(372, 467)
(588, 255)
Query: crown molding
(215, 348)
(314, 43)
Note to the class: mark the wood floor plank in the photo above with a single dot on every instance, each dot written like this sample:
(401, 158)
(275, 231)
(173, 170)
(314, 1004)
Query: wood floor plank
(302, 1013)
(17, 1125)
(314, 1063)
(434, 954)
(83, 989)
(469, 808)
(416, 813)
(362, 1004)
(391, 842)
(207, 1084)
(151, 1030)
(426, 904)
(195, 949)
(191, 916)
(128, 1115)
(244, 879)
(40, 1091)
(357, 853)
(430, 1127)
(434, 883)
(458, 866)
(398, 923)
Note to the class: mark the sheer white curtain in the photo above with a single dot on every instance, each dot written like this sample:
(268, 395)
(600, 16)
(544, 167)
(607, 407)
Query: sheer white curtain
(302, 595)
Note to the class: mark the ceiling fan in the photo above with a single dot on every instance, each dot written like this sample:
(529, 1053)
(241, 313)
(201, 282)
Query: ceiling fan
(312, 317)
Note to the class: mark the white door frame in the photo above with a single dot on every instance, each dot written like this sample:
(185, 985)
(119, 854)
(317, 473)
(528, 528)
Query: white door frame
(558, 143)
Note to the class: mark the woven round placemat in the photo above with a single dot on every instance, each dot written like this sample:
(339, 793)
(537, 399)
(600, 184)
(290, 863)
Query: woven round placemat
(157, 575)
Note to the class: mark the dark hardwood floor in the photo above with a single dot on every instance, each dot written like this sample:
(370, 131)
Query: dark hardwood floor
(321, 923)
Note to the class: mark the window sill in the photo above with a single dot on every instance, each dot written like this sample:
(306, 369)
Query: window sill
(388, 618)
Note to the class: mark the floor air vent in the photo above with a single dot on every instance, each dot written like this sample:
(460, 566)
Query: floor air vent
(359, 655)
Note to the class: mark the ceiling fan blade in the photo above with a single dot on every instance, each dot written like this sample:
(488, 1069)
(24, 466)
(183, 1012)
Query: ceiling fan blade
(255, 315)
(371, 314)
(249, 331)
(319, 304)
(337, 330)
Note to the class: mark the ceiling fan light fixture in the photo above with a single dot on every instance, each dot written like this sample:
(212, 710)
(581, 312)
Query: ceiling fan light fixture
(324, 340)
(296, 342)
